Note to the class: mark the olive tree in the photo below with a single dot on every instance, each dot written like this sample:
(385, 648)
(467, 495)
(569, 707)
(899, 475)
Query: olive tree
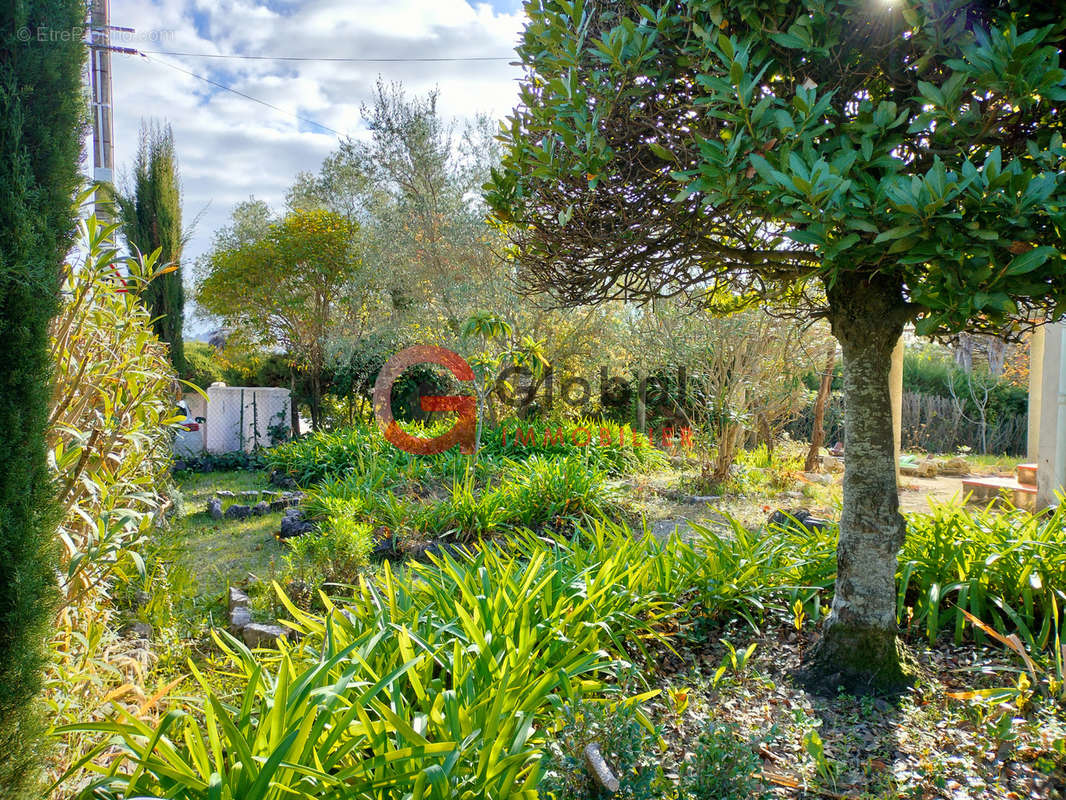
(872, 163)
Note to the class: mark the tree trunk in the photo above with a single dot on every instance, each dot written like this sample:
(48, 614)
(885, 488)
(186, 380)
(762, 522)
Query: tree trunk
(964, 352)
(294, 411)
(858, 648)
(818, 430)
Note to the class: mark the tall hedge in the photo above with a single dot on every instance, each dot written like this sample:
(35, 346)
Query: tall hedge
(42, 117)
(151, 218)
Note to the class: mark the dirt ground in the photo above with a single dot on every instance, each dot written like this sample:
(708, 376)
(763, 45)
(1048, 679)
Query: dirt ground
(916, 493)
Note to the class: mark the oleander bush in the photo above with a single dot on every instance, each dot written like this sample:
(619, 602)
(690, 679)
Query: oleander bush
(111, 425)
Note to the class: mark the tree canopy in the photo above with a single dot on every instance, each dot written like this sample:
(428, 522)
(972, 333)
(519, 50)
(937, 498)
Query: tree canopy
(761, 145)
(151, 220)
(286, 286)
(874, 163)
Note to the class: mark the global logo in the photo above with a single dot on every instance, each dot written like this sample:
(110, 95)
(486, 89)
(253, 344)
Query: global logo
(464, 430)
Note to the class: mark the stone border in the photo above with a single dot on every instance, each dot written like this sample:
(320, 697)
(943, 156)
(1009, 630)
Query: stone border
(279, 501)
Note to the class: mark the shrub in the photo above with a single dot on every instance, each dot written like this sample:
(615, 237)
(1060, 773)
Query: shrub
(225, 462)
(112, 418)
(336, 553)
(41, 115)
(440, 681)
(202, 365)
(109, 450)
(724, 767)
(543, 489)
(562, 492)
(626, 741)
(360, 449)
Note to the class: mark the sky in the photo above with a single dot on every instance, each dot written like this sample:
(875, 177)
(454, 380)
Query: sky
(230, 148)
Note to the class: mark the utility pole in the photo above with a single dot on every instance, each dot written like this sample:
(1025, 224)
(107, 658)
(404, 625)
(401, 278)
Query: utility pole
(100, 86)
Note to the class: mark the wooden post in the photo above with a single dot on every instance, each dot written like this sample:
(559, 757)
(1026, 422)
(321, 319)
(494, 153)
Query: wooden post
(818, 429)
(895, 392)
(1036, 378)
(642, 400)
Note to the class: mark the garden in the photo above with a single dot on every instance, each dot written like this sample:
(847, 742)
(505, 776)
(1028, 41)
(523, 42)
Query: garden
(623, 444)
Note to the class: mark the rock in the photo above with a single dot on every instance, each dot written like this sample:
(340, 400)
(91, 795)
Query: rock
(249, 493)
(136, 630)
(440, 549)
(214, 508)
(927, 469)
(225, 493)
(386, 549)
(261, 508)
(832, 464)
(954, 466)
(258, 635)
(696, 499)
(822, 478)
(790, 517)
(239, 619)
(238, 512)
(238, 599)
(140, 600)
(294, 524)
(279, 505)
(282, 480)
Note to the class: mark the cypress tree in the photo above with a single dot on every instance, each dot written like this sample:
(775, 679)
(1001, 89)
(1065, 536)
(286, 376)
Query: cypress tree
(151, 218)
(42, 118)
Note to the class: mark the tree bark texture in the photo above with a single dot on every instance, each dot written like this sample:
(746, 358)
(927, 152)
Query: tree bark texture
(859, 648)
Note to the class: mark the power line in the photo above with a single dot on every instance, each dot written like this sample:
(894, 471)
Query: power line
(242, 94)
(329, 59)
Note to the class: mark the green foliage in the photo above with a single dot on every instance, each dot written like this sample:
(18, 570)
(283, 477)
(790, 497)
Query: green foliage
(112, 417)
(875, 164)
(832, 141)
(438, 682)
(612, 447)
(1007, 569)
(362, 450)
(926, 375)
(724, 767)
(226, 462)
(285, 285)
(625, 741)
(335, 553)
(41, 118)
(557, 492)
(109, 450)
(202, 365)
(151, 221)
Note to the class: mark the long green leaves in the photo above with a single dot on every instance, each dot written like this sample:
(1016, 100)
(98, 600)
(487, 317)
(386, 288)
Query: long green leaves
(1007, 569)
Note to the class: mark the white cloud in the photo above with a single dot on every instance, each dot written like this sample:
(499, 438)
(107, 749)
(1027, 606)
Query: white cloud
(230, 147)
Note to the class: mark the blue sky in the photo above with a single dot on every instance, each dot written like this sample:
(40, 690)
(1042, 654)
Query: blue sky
(231, 148)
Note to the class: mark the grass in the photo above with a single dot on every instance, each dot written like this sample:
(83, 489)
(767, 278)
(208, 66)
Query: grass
(219, 553)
